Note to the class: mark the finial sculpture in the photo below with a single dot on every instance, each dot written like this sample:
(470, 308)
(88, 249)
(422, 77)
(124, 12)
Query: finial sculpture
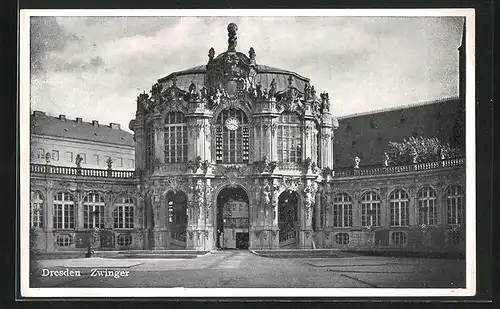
(211, 54)
(357, 160)
(231, 29)
(386, 160)
(78, 161)
(251, 54)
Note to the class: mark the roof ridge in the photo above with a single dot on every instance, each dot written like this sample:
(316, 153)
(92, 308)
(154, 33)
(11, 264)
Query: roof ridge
(405, 106)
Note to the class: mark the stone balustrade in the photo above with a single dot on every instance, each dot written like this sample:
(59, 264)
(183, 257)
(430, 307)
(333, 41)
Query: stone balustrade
(85, 172)
(396, 169)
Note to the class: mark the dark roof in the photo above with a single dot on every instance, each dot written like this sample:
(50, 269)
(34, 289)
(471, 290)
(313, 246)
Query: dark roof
(77, 129)
(201, 69)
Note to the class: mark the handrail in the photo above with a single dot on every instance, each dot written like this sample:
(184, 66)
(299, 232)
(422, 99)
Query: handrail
(76, 171)
(382, 170)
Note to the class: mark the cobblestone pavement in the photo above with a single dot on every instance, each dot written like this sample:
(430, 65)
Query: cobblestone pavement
(243, 269)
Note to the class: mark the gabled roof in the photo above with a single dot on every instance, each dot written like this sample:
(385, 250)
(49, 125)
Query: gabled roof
(77, 129)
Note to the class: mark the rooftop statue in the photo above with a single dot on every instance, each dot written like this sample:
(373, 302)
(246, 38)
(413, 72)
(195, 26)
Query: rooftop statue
(231, 29)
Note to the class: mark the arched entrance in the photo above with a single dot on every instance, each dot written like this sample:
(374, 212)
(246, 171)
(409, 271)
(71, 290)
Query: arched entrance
(232, 219)
(288, 202)
(177, 216)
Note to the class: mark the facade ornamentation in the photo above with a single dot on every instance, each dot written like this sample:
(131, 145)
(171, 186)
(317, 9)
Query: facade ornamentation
(266, 193)
(193, 166)
(265, 166)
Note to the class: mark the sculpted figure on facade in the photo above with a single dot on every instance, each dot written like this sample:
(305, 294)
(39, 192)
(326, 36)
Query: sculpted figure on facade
(266, 193)
(272, 89)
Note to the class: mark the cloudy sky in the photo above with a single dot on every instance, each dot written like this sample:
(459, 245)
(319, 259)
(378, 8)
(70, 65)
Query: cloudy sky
(94, 67)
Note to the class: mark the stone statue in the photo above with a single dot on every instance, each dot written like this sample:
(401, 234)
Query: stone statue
(109, 162)
(313, 93)
(357, 160)
(251, 53)
(211, 54)
(78, 161)
(232, 40)
(266, 193)
(272, 89)
(203, 93)
(415, 155)
(307, 91)
(386, 159)
(192, 89)
(258, 90)
(442, 154)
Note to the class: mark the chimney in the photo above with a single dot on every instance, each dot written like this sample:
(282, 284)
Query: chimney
(115, 126)
(78, 120)
(38, 114)
(62, 117)
(95, 123)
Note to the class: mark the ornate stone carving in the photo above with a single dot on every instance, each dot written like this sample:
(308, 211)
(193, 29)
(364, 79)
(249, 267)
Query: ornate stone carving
(265, 166)
(266, 193)
(310, 166)
(310, 194)
(194, 165)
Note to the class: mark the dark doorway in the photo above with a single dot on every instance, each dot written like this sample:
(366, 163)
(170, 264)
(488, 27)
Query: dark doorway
(242, 240)
(232, 218)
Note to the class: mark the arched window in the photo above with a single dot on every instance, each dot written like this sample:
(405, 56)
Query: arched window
(370, 209)
(398, 238)
(93, 211)
(232, 138)
(455, 205)
(123, 213)
(399, 208)
(342, 210)
(150, 145)
(427, 212)
(176, 138)
(36, 209)
(289, 138)
(64, 211)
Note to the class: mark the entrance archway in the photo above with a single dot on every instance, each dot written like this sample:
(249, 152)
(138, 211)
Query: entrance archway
(177, 214)
(288, 202)
(232, 219)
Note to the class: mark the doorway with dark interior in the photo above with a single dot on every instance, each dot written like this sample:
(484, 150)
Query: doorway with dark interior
(232, 219)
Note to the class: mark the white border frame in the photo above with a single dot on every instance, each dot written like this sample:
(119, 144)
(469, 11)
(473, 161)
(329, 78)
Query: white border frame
(24, 135)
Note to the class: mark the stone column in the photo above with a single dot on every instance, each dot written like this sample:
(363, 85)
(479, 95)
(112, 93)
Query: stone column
(356, 211)
(158, 126)
(326, 146)
(199, 133)
(307, 208)
(140, 143)
(49, 217)
(412, 209)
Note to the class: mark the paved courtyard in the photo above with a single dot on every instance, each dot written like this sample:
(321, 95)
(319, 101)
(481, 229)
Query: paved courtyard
(243, 269)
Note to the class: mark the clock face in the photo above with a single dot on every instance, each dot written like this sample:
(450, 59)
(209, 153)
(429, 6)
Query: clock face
(232, 124)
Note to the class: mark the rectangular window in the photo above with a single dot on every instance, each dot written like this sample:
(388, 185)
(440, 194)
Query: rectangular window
(342, 215)
(370, 214)
(119, 162)
(93, 216)
(69, 156)
(123, 217)
(64, 216)
(399, 213)
(455, 210)
(96, 159)
(131, 162)
(40, 153)
(55, 155)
